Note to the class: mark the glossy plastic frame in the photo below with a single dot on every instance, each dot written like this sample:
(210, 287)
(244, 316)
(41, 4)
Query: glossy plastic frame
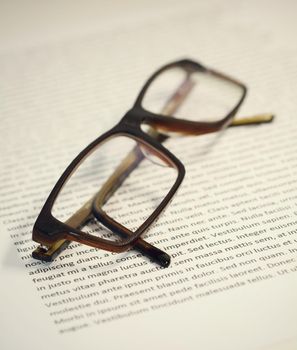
(54, 235)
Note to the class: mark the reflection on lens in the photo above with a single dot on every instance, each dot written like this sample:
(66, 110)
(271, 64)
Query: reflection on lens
(123, 178)
(208, 98)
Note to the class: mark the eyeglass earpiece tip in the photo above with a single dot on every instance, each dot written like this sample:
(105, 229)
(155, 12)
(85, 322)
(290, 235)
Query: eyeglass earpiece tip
(40, 253)
(164, 260)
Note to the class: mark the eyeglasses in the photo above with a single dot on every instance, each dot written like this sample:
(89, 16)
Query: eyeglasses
(117, 187)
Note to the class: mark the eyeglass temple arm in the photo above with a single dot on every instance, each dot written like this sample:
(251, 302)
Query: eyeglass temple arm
(188, 127)
(93, 205)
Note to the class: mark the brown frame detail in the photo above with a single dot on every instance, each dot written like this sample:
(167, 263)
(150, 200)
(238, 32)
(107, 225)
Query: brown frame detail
(54, 235)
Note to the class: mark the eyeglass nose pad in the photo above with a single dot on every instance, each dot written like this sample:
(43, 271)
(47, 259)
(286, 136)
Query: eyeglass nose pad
(153, 156)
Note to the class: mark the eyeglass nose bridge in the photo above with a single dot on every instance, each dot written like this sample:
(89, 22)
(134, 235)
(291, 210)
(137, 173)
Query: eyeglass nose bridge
(133, 119)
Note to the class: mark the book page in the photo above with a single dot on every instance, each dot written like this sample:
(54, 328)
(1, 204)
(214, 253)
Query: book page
(231, 230)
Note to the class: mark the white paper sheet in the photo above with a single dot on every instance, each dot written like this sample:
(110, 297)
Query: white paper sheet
(233, 239)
